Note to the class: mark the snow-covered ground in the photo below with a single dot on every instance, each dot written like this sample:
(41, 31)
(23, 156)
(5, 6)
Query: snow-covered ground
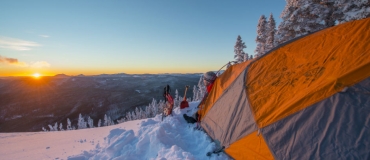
(151, 138)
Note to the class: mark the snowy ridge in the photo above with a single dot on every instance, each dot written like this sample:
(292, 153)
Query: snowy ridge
(151, 138)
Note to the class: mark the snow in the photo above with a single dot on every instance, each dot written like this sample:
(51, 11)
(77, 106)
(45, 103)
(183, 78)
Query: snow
(151, 138)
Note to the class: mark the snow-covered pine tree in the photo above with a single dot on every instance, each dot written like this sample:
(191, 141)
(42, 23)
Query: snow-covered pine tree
(55, 128)
(251, 57)
(284, 32)
(123, 119)
(154, 107)
(142, 114)
(138, 113)
(51, 127)
(195, 91)
(201, 89)
(271, 30)
(349, 10)
(81, 122)
(239, 50)
(109, 121)
(151, 112)
(61, 127)
(177, 99)
(301, 17)
(90, 122)
(128, 116)
(105, 122)
(99, 123)
(313, 16)
(148, 111)
(246, 57)
(176, 94)
(261, 37)
(45, 130)
(133, 115)
(331, 10)
(69, 126)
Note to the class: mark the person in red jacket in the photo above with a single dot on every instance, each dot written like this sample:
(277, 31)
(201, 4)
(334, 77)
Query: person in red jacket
(208, 80)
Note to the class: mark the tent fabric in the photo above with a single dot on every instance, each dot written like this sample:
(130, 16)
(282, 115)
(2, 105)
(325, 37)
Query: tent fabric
(335, 128)
(252, 147)
(308, 70)
(307, 99)
(239, 122)
(221, 84)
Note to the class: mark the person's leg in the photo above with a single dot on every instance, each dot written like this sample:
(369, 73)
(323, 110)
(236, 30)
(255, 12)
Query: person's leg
(190, 119)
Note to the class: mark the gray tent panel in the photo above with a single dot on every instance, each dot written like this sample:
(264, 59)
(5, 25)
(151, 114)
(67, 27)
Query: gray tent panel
(335, 128)
(230, 118)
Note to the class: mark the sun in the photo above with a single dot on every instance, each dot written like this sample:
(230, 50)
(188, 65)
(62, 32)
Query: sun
(36, 75)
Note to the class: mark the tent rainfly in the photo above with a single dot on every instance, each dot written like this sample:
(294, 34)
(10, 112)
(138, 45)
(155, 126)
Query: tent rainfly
(306, 99)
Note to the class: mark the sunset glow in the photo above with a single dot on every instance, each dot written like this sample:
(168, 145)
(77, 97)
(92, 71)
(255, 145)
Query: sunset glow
(36, 75)
(195, 42)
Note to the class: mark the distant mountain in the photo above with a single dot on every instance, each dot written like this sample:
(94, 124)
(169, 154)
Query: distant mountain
(27, 104)
(61, 76)
(113, 75)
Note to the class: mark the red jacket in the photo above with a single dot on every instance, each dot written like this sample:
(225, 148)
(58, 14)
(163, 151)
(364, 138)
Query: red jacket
(209, 87)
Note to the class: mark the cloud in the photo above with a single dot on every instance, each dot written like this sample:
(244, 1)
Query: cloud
(44, 36)
(15, 62)
(40, 64)
(17, 44)
(12, 61)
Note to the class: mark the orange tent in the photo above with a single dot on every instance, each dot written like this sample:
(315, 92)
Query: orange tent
(306, 99)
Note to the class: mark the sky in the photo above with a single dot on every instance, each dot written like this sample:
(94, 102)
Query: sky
(129, 36)
(151, 138)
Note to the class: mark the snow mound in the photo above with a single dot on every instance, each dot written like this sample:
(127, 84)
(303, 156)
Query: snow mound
(171, 138)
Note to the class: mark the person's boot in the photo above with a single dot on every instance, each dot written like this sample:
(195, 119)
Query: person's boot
(189, 119)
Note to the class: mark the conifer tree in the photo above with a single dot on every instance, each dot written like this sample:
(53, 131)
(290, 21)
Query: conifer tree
(61, 127)
(201, 89)
(154, 107)
(195, 91)
(81, 122)
(239, 50)
(177, 99)
(99, 123)
(105, 122)
(55, 128)
(109, 121)
(69, 126)
(284, 32)
(301, 17)
(271, 30)
(51, 127)
(133, 115)
(261, 37)
(160, 106)
(330, 12)
(128, 116)
(90, 122)
(246, 57)
(142, 114)
(138, 113)
(349, 10)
